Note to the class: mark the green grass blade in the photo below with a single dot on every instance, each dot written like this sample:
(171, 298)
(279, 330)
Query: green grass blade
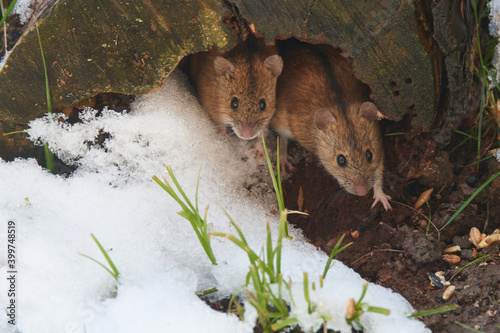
(47, 89)
(334, 252)
(481, 160)
(279, 195)
(468, 327)
(179, 188)
(269, 250)
(207, 292)
(278, 171)
(100, 264)
(433, 311)
(464, 141)
(469, 264)
(466, 134)
(280, 324)
(108, 259)
(395, 133)
(480, 121)
(376, 309)
(466, 203)
(49, 156)
(363, 293)
(7, 13)
(166, 186)
(306, 293)
(26, 131)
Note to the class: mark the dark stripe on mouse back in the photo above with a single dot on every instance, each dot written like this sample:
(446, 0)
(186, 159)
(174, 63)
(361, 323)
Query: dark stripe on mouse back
(251, 49)
(330, 77)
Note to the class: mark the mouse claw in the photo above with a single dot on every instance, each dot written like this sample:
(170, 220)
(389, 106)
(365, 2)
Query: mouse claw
(381, 197)
(285, 164)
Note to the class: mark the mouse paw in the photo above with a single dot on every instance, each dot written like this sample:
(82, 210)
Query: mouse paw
(285, 164)
(380, 196)
(258, 151)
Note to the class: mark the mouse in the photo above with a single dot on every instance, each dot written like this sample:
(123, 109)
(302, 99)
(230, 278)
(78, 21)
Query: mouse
(322, 105)
(238, 88)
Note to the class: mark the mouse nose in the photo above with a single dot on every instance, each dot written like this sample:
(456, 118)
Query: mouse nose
(246, 131)
(360, 187)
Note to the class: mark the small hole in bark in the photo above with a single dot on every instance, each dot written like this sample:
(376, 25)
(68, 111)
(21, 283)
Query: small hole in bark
(396, 93)
(393, 84)
(408, 81)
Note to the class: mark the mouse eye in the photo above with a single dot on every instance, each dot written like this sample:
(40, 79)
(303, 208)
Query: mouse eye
(262, 104)
(234, 103)
(369, 155)
(341, 160)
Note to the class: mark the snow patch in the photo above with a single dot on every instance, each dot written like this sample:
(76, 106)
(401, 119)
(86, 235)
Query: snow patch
(161, 262)
(24, 8)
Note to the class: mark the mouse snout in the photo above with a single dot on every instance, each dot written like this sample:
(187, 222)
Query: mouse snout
(246, 131)
(360, 187)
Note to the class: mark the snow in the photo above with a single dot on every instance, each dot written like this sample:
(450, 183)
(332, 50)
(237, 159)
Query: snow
(161, 262)
(24, 8)
(4, 59)
(494, 27)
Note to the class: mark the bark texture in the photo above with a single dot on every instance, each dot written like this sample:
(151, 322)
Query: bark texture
(416, 55)
(101, 46)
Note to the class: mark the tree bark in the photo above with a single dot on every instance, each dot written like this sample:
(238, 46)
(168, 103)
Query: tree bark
(416, 56)
(103, 46)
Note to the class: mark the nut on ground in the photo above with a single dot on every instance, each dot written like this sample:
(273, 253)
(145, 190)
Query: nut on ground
(448, 292)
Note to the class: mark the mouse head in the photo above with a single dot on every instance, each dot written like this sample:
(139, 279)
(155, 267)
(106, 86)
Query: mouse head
(246, 89)
(350, 146)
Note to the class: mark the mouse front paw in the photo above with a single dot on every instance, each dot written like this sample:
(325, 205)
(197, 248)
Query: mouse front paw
(380, 196)
(285, 164)
(258, 151)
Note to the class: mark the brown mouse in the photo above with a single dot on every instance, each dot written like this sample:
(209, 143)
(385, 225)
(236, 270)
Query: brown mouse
(325, 108)
(238, 88)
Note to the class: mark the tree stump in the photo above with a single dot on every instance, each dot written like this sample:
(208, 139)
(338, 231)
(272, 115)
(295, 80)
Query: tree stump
(417, 56)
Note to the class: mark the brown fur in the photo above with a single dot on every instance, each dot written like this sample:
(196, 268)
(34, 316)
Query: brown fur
(249, 74)
(309, 109)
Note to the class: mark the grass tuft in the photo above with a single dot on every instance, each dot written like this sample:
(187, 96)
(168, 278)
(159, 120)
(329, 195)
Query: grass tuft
(113, 271)
(336, 250)
(189, 211)
(360, 308)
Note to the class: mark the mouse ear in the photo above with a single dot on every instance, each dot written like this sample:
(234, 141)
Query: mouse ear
(274, 64)
(223, 66)
(369, 111)
(324, 119)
